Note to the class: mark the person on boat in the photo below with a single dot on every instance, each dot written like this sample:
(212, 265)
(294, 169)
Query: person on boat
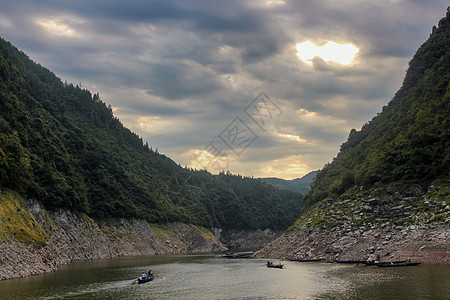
(336, 257)
(150, 273)
(143, 277)
(408, 260)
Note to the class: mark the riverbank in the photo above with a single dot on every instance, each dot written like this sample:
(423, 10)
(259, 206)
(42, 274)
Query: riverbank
(429, 245)
(35, 241)
(410, 224)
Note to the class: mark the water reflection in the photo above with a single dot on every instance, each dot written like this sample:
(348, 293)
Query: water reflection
(214, 277)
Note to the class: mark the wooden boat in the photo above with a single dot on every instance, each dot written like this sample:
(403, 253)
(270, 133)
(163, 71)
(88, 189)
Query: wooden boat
(272, 265)
(374, 263)
(350, 261)
(306, 259)
(145, 280)
(402, 264)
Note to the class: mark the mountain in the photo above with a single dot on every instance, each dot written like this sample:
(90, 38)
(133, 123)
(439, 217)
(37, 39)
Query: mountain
(387, 192)
(62, 145)
(301, 185)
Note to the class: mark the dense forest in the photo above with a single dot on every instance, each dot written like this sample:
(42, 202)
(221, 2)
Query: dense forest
(408, 143)
(63, 146)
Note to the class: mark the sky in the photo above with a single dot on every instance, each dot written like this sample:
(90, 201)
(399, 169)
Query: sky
(263, 88)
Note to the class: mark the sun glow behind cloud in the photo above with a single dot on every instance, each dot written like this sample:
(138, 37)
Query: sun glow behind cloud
(331, 51)
(57, 27)
(292, 137)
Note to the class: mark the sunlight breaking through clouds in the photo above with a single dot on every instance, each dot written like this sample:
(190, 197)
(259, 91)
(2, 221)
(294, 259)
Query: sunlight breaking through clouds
(57, 27)
(289, 167)
(339, 53)
(292, 137)
(274, 2)
(177, 73)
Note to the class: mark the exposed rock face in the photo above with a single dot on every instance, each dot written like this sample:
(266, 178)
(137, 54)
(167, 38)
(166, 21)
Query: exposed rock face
(249, 240)
(413, 225)
(72, 237)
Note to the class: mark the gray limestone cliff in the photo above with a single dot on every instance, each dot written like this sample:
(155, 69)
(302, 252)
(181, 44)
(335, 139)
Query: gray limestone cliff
(410, 224)
(35, 241)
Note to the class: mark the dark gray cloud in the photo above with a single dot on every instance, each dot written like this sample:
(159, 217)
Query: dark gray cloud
(178, 72)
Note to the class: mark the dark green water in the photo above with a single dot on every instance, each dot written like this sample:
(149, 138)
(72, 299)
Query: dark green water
(213, 277)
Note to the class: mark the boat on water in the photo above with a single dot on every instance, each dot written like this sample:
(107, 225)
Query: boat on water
(145, 279)
(272, 265)
(401, 264)
(306, 259)
(374, 263)
(238, 255)
(350, 261)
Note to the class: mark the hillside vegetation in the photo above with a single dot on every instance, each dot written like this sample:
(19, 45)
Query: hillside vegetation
(301, 185)
(387, 193)
(408, 143)
(62, 146)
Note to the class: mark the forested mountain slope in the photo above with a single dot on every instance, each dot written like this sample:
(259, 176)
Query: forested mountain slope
(409, 141)
(62, 146)
(387, 193)
(301, 185)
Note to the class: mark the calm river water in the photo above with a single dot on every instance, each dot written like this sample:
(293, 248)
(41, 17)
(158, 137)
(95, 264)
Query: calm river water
(213, 277)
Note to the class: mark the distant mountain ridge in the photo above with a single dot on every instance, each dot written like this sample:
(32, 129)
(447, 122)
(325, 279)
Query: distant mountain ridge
(301, 185)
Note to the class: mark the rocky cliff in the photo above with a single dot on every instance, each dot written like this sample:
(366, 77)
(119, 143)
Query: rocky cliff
(248, 239)
(411, 223)
(36, 241)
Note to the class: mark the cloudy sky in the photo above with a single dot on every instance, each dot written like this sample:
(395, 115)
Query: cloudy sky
(264, 88)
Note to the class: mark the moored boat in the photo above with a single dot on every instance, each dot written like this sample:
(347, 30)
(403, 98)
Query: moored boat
(402, 264)
(238, 255)
(374, 263)
(306, 259)
(350, 261)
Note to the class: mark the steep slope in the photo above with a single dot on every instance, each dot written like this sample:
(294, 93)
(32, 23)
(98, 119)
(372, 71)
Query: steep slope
(62, 145)
(301, 185)
(388, 190)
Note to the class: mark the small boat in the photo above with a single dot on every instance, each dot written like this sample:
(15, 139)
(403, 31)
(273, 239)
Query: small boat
(402, 264)
(374, 263)
(306, 259)
(272, 265)
(238, 255)
(145, 279)
(350, 261)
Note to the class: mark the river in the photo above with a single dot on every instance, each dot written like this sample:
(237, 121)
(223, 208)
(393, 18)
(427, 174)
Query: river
(213, 277)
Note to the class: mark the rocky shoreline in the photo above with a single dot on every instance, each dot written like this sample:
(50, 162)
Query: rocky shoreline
(428, 245)
(70, 237)
(46, 240)
(410, 224)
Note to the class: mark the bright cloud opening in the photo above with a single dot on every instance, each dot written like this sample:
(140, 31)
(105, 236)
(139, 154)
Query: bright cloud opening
(292, 137)
(290, 167)
(331, 51)
(56, 27)
(274, 2)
